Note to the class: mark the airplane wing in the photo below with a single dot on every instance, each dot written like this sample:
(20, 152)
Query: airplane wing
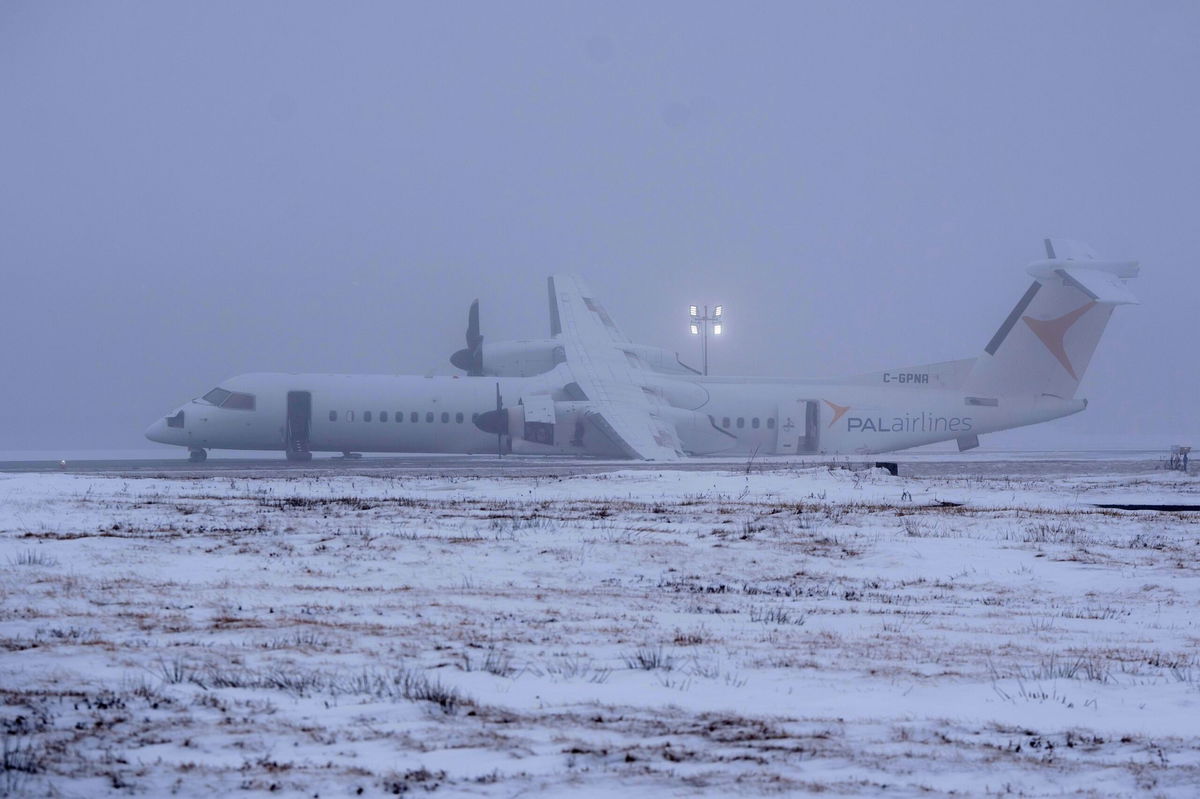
(629, 411)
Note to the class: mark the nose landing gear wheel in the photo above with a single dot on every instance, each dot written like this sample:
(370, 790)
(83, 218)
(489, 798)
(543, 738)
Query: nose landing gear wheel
(197, 455)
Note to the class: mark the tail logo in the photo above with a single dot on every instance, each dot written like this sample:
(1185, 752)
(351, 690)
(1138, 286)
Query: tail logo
(838, 411)
(1053, 331)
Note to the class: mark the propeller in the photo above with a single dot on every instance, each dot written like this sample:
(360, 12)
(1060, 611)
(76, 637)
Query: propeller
(502, 414)
(495, 422)
(470, 360)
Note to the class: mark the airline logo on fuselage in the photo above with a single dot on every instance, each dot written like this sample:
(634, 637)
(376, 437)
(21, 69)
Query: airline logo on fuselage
(923, 422)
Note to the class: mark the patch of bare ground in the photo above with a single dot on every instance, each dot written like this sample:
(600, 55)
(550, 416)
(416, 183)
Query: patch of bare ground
(445, 635)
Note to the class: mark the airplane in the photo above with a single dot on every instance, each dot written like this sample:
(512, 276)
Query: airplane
(589, 391)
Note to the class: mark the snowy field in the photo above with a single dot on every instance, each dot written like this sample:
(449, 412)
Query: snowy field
(629, 633)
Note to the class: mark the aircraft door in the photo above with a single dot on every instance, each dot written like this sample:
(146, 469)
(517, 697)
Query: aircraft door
(298, 426)
(812, 431)
(789, 427)
(796, 430)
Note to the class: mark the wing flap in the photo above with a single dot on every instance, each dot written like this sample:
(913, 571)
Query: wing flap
(627, 435)
(626, 407)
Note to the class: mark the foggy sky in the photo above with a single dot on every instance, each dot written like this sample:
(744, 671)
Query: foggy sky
(190, 191)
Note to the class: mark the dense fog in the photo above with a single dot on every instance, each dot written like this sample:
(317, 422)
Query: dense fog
(191, 191)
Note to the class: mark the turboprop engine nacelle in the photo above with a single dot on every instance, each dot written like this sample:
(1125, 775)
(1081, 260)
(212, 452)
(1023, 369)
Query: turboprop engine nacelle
(521, 357)
(542, 426)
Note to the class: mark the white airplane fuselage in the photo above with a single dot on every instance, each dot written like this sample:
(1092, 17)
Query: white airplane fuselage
(588, 390)
(403, 414)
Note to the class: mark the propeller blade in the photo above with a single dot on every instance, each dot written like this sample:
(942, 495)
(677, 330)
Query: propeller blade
(495, 422)
(499, 434)
(470, 359)
(474, 339)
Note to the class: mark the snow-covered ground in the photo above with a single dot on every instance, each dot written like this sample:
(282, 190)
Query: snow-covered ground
(672, 632)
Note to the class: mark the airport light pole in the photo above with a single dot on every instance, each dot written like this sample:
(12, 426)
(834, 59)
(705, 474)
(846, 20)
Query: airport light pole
(699, 327)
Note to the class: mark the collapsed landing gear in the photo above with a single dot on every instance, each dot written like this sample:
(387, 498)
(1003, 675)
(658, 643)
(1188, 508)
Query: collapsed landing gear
(299, 455)
(197, 455)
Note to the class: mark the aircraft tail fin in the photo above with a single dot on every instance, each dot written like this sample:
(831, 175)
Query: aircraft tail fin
(1047, 341)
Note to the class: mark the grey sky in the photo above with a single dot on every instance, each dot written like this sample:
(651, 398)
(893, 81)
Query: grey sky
(190, 191)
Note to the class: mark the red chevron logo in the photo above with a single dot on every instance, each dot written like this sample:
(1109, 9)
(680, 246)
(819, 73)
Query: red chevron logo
(838, 411)
(1053, 331)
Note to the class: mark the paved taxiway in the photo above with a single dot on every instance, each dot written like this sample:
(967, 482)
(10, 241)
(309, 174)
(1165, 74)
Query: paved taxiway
(914, 465)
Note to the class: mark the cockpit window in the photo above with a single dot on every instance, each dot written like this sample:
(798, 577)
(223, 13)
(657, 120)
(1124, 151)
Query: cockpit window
(235, 400)
(216, 396)
(239, 401)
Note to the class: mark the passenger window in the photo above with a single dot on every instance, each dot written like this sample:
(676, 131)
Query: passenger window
(754, 422)
(333, 416)
(349, 416)
(458, 418)
(725, 422)
(383, 416)
(414, 416)
(399, 417)
(366, 416)
(429, 416)
(445, 417)
(741, 422)
(770, 422)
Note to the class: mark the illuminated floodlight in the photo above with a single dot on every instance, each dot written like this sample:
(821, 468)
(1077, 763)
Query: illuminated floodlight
(700, 323)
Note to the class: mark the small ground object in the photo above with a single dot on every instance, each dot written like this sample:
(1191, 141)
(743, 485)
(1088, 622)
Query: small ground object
(1179, 458)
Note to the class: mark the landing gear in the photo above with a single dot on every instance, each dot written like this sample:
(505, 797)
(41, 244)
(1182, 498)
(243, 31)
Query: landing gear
(293, 455)
(197, 455)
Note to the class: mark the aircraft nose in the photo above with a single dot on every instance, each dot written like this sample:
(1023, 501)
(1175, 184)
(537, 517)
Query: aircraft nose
(158, 431)
(169, 430)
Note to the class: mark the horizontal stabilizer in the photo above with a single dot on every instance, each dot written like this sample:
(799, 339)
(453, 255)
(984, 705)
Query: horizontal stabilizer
(1101, 286)
(1100, 281)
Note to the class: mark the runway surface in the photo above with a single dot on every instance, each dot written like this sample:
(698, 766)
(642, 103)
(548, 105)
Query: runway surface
(1014, 464)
